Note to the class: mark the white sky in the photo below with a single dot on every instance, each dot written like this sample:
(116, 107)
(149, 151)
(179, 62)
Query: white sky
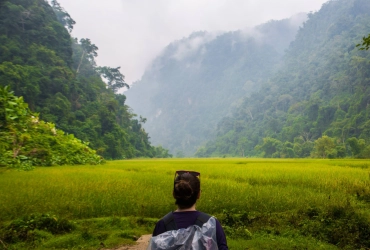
(130, 33)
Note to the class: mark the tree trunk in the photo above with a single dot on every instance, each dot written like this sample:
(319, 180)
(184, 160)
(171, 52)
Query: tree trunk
(79, 65)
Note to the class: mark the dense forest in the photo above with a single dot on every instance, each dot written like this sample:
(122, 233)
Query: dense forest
(318, 103)
(58, 78)
(288, 88)
(196, 81)
(26, 141)
(268, 91)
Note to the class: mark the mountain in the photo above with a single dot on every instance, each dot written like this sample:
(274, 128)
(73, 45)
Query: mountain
(197, 80)
(58, 78)
(320, 93)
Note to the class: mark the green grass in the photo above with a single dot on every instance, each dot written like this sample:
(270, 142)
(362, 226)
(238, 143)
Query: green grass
(281, 192)
(88, 234)
(268, 242)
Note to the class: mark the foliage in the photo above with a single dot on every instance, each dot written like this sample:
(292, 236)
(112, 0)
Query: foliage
(57, 76)
(63, 17)
(89, 51)
(321, 89)
(46, 231)
(161, 152)
(359, 148)
(341, 226)
(26, 141)
(365, 44)
(324, 148)
(23, 229)
(270, 147)
(114, 77)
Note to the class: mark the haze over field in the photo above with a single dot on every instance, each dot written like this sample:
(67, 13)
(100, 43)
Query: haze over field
(132, 33)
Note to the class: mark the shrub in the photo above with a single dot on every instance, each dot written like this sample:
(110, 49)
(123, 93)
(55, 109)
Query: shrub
(27, 228)
(25, 141)
(339, 225)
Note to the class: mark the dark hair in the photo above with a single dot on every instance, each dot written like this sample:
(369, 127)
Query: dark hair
(186, 190)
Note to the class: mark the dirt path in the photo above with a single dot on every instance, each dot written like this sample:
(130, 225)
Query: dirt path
(141, 244)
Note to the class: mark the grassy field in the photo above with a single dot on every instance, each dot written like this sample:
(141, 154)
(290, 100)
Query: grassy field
(262, 204)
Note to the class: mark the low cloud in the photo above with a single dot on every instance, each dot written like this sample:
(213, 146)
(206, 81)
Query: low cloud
(193, 44)
(130, 33)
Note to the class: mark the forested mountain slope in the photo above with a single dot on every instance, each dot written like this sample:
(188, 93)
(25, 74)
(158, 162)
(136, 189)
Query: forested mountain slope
(58, 77)
(195, 81)
(322, 90)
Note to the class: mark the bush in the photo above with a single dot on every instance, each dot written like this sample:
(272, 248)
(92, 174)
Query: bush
(28, 228)
(339, 225)
(25, 141)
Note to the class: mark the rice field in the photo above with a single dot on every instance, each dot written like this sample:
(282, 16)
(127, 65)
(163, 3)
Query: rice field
(143, 188)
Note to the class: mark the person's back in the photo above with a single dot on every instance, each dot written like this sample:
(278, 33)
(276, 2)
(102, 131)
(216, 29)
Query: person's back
(186, 192)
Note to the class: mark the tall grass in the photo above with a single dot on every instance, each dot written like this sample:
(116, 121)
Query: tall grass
(144, 187)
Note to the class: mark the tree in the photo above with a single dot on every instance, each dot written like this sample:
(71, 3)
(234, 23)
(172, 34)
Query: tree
(142, 120)
(89, 50)
(161, 152)
(270, 147)
(324, 148)
(365, 43)
(38, 62)
(63, 17)
(242, 144)
(115, 79)
(287, 150)
(357, 146)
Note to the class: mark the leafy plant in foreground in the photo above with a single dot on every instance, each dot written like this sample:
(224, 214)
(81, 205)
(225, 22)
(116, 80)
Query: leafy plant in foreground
(23, 229)
(26, 141)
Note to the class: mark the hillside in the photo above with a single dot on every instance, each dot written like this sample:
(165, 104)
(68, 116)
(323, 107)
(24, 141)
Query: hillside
(196, 80)
(58, 78)
(321, 91)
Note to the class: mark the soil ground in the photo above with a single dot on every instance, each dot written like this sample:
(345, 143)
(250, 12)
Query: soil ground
(141, 244)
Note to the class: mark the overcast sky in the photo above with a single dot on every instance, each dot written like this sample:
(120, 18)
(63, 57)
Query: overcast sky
(130, 33)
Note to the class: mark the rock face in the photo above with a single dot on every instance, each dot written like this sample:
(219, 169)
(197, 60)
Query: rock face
(197, 81)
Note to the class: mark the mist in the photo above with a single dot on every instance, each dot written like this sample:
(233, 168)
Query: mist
(131, 34)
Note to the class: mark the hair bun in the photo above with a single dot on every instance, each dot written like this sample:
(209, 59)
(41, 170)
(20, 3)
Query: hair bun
(183, 190)
(186, 190)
